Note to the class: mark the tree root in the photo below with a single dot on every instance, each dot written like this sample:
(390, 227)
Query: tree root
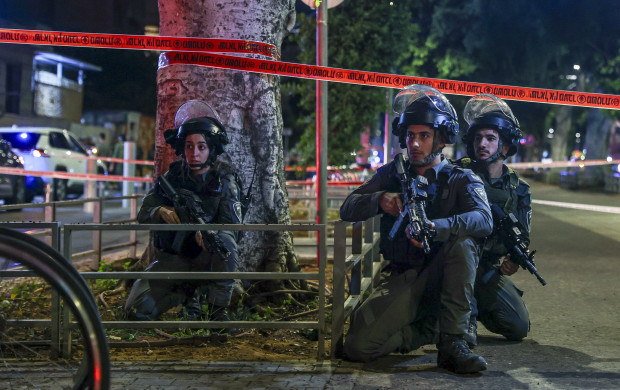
(296, 315)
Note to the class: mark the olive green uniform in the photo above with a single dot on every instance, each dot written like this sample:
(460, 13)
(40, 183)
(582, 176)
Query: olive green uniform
(498, 302)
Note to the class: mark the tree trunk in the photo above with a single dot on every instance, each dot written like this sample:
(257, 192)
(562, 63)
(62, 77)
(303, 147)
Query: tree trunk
(596, 143)
(564, 121)
(249, 106)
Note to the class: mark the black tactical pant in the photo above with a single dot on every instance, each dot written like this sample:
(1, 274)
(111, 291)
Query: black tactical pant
(409, 309)
(499, 305)
(149, 299)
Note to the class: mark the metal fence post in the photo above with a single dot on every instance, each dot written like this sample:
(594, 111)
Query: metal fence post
(97, 218)
(50, 216)
(355, 285)
(133, 235)
(340, 245)
(367, 270)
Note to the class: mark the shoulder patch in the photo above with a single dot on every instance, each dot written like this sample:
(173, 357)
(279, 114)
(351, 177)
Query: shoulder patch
(237, 210)
(481, 194)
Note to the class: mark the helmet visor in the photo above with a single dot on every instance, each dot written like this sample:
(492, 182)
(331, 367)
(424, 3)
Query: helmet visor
(194, 109)
(485, 104)
(416, 92)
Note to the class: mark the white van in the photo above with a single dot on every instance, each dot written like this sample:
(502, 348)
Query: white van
(50, 149)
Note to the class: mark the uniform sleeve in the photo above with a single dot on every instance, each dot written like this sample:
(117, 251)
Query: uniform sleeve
(229, 209)
(475, 217)
(151, 203)
(363, 203)
(524, 208)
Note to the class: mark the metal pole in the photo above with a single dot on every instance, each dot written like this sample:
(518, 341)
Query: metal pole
(387, 136)
(321, 115)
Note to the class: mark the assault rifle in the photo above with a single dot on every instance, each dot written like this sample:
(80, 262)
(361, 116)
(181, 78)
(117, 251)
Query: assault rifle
(414, 203)
(510, 231)
(188, 208)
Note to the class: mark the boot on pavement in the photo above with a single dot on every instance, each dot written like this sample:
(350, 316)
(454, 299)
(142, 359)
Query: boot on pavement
(455, 355)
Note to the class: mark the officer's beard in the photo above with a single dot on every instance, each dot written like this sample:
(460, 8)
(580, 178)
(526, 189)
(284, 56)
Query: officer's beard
(494, 157)
(428, 160)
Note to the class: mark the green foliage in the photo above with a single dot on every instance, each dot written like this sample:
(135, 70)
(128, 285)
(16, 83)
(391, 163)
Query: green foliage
(365, 35)
(24, 290)
(106, 284)
(510, 42)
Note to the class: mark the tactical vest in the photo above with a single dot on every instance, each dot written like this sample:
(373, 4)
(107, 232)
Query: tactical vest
(505, 197)
(394, 251)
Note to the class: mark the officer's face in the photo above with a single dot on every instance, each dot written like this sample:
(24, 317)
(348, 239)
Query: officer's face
(486, 142)
(419, 141)
(196, 152)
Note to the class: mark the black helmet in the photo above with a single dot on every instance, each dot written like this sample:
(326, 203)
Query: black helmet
(197, 117)
(489, 111)
(423, 105)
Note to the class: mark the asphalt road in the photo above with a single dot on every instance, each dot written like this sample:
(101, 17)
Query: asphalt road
(81, 241)
(575, 319)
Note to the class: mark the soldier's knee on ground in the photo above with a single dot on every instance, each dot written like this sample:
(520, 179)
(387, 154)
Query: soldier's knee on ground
(518, 330)
(357, 350)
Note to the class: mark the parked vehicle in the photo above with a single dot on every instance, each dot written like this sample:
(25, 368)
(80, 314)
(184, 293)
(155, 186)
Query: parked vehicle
(12, 187)
(50, 149)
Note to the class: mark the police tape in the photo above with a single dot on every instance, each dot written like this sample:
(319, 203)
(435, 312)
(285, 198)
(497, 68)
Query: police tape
(181, 46)
(107, 159)
(465, 88)
(561, 164)
(70, 175)
(136, 42)
(329, 183)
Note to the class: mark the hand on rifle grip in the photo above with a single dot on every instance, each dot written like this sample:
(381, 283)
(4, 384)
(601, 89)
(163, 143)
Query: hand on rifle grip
(168, 215)
(390, 203)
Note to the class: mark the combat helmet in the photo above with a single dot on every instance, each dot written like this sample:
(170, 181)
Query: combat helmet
(419, 104)
(489, 111)
(197, 117)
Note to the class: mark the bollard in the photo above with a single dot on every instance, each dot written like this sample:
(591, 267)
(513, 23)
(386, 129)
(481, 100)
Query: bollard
(97, 218)
(129, 170)
(50, 211)
(90, 186)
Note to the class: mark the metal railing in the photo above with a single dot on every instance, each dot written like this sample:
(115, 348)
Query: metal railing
(319, 276)
(362, 269)
(94, 206)
(54, 323)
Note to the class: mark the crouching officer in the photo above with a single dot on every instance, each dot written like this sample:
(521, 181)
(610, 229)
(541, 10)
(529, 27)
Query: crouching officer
(199, 139)
(426, 298)
(493, 136)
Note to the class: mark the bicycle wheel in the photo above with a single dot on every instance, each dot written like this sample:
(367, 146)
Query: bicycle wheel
(89, 367)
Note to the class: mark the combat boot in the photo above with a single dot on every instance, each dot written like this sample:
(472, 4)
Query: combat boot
(191, 310)
(454, 355)
(220, 313)
(471, 336)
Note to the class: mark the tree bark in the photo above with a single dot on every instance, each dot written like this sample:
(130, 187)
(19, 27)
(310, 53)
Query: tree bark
(596, 144)
(249, 106)
(564, 122)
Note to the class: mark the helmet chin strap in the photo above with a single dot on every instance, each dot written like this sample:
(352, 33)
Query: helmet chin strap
(428, 160)
(199, 166)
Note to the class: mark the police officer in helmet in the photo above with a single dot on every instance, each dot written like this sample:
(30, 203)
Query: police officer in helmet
(199, 138)
(492, 137)
(426, 298)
